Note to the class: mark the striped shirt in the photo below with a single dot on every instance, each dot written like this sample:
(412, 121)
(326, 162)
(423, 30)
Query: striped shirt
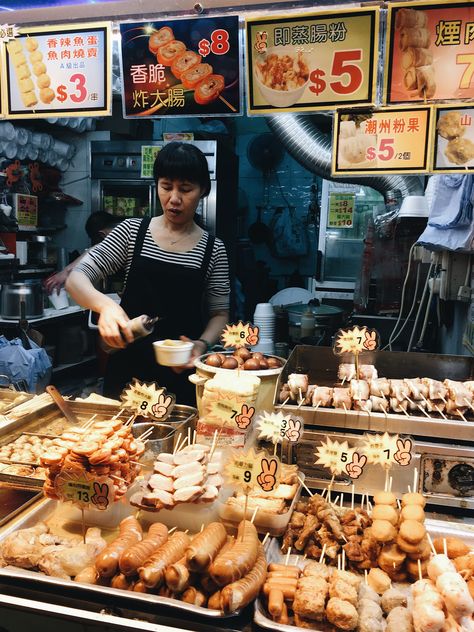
(115, 253)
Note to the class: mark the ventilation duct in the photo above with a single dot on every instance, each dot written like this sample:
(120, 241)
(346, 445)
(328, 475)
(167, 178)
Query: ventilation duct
(312, 148)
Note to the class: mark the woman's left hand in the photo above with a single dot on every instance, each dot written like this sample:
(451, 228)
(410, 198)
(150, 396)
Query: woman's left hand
(198, 349)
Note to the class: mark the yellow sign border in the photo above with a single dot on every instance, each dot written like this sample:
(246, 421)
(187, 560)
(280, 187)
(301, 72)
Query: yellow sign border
(304, 16)
(375, 172)
(462, 105)
(388, 45)
(106, 111)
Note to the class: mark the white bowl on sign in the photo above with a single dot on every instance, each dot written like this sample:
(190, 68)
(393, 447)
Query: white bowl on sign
(172, 352)
(278, 98)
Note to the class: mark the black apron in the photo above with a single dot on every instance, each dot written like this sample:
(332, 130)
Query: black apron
(173, 292)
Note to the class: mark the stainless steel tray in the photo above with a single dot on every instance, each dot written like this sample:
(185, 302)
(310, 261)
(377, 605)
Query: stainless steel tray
(436, 528)
(321, 365)
(45, 510)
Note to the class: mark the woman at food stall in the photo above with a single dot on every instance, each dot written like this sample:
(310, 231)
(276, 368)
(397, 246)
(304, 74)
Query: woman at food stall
(174, 270)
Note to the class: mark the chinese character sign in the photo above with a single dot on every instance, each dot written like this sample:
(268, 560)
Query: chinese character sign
(149, 154)
(65, 71)
(431, 54)
(341, 210)
(181, 67)
(311, 61)
(454, 140)
(384, 141)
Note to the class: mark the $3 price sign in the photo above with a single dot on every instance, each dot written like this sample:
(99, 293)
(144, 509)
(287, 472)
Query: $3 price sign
(76, 92)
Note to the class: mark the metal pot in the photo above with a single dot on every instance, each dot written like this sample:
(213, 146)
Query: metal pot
(21, 300)
(328, 319)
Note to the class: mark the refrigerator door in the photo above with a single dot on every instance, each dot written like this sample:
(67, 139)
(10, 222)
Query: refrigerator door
(124, 198)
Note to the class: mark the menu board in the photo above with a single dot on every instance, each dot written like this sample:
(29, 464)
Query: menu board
(453, 142)
(188, 67)
(430, 52)
(65, 71)
(311, 61)
(341, 210)
(381, 141)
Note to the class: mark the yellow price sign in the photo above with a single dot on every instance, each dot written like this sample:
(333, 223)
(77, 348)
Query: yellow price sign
(387, 449)
(277, 427)
(85, 491)
(147, 400)
(240, 335)
(356, 340)
(249, 469)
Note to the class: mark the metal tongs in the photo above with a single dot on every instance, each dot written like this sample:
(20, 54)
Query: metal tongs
(63, 405)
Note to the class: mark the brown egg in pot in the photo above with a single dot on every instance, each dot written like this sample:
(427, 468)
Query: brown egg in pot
(263, 363)
(222, 356)
(243, 353)
(213, 360)
(257, 355)
(230, 363)
(273, 363)
(252, 364)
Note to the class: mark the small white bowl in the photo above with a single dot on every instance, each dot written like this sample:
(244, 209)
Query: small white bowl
(177, 354)
(279, 98)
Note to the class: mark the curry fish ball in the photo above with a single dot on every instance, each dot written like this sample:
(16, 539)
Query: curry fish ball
(47, 95)
(26, 85)
(31, 44)
(36, 56)
(43, 81)
(29, 99)
(39, 68)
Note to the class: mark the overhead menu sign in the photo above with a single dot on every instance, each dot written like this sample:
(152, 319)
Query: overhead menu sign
(65, 71)
(311, 61)
(430, 53)
(188, 67)
(453, 143)
(382, 141)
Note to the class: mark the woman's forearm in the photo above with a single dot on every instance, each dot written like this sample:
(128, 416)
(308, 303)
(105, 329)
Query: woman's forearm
(84, 293)
(215, 326)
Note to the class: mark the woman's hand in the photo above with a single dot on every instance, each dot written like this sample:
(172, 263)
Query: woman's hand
(198, 349)
(113, 326)
(56, 281)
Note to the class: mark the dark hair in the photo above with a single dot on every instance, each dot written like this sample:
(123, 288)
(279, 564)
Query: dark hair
(183, 161)
(97, 222)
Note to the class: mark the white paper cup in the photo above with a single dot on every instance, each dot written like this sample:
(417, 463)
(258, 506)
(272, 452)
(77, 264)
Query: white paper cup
(176, 354)
(59, 301)
(263, 309)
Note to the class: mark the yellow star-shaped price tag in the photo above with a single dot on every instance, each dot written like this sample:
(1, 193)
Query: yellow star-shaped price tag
(380, 449)
(240, 335)
(147, 400)
(334, 455)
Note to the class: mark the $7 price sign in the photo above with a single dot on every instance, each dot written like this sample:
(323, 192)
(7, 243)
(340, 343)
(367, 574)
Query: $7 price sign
(355, 340)
(345, 66)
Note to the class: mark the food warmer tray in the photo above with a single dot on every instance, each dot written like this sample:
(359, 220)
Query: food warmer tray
(321, 365)
(51, 422)
(113, 596)
(436, 528)
(10, 398)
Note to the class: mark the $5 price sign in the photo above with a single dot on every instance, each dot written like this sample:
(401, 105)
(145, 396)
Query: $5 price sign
(345, 69)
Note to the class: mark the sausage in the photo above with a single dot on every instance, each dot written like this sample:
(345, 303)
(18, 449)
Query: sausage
(288, 571)
(88, 575)
(177, 576)
(237, 561)
(214, 601)
(208, 584)
(107, 562)
(283, 618)
(287, 590)
(194, 596)
(152, 571)
(275, 603)
(280, 575)
(205, 546)
(122, 582)
(243, 591)
(140, 587)
(136, 555)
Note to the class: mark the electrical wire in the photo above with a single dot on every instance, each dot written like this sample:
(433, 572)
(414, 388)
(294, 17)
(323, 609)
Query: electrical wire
(420, 307)
(468, 271)
(402, 300)
(427, 312)
(413, 305)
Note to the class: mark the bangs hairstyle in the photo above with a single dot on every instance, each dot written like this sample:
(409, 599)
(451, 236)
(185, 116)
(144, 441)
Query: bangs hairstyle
(182, 161)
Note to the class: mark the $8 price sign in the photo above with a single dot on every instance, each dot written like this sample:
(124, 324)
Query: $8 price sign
(217, 45)
(345, 69)
(76, 90)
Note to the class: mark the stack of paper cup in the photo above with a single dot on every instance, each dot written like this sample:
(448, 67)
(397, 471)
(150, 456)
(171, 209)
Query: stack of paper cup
(264, 318)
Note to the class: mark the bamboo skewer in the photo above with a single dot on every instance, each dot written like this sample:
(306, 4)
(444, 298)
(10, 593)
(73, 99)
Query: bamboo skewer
(287, 558)
(352, 495)
(323, 553)
(267, 535)
(304, 486)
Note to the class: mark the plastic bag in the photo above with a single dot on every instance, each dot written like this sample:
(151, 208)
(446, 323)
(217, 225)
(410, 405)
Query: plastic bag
(289, 234)
(31, 366)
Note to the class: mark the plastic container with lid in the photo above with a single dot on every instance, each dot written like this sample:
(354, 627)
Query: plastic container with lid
(308, 323)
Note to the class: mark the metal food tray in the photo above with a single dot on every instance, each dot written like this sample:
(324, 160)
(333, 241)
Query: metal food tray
(436, 528)
(321, 365)
(45, 510)
(49, 421)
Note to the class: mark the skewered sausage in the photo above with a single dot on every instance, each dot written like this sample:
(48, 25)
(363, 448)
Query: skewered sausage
(243, 591)
(107, 562)
(152, 572)
(136, 555)
(205, 546)
(237, 561)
